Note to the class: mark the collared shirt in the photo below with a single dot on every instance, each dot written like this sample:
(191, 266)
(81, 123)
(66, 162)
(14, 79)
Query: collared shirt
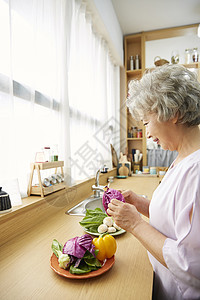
(169, 211)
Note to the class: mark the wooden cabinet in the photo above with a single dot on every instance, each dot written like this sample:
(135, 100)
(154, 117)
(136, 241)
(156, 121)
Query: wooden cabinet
(135, 45)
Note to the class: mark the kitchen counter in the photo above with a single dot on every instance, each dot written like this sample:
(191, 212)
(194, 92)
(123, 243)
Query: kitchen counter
(25, 260)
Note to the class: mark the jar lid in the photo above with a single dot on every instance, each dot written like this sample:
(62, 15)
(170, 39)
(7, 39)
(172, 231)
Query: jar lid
(2, 193)
(5, 203)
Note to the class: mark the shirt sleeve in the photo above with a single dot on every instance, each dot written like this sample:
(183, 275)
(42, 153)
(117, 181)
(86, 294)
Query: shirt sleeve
(182, 255)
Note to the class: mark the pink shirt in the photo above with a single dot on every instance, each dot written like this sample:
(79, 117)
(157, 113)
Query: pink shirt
(169, 211)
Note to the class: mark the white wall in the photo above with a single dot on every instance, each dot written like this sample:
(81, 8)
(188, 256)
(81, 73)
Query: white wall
(164, 48)
(106, 24)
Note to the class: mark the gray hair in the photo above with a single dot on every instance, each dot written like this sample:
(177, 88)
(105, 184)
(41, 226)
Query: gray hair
(167, 91)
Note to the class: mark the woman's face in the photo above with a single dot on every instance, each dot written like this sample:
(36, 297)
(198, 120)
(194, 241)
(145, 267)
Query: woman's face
(163, 133)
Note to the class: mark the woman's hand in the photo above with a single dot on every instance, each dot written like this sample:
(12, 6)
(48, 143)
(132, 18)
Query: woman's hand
(130, 197)
(141, 203)
(125, 215)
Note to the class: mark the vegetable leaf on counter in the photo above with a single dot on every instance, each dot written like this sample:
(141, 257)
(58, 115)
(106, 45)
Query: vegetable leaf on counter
(93, 219)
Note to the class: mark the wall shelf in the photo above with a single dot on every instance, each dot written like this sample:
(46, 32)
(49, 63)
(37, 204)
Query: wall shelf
(40, 189)
(134, 139)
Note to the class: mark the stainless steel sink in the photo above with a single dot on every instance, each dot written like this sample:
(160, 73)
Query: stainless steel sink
(89, 203)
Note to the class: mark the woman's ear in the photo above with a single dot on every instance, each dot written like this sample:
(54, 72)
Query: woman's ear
(175, 119)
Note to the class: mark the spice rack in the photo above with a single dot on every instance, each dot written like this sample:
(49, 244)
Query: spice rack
(40, 189)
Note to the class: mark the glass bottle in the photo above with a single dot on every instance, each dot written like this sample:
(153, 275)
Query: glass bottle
(195, 56)
(47, 154)
(54, 153)
(187, 56)
(175, 57)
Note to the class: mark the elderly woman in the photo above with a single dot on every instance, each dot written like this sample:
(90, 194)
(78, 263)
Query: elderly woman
(167, 100)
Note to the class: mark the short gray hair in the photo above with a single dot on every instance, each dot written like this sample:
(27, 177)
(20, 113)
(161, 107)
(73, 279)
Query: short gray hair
(166, 91)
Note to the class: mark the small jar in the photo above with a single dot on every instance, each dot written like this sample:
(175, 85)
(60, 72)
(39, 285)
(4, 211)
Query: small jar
(129, 133)
(52, 179)
(131, 63)
(139, 133)
(195, 56)
(46, 182)
(134, 132)
(54, 153)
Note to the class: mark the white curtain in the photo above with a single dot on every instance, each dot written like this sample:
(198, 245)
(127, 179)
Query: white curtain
(33, 74)
(58, 85)
(93, 98)
(160, 157)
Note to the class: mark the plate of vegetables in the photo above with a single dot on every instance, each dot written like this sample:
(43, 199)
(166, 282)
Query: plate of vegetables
(97, 222)
(83, 257)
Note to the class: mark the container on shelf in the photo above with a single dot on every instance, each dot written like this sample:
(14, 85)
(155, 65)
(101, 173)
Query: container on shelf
(153, 170)
(47, 154)
(54, 153)
(129, 132)
(188, 56)
(195, 55)
(46, 182)
(139, 133)
(137, 62)
(175, 57)
(131, 63)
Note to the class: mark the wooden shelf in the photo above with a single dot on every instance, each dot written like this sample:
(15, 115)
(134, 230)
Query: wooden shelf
(40, 189)
(134, 72)
(36, 190)
(195, 65)
(134, 139)
(49, 165)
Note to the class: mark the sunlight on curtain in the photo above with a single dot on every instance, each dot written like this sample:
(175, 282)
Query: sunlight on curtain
(93, 98)
(32, 65)
(58, 85)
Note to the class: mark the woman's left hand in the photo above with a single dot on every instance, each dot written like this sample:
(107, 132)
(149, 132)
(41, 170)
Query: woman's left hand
(125, 215)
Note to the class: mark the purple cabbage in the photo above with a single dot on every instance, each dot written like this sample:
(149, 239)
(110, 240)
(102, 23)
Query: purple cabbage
(110, 194)
(79, 245)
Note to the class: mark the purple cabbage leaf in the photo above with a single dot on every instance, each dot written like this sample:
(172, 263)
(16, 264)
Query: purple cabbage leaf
(110, 194)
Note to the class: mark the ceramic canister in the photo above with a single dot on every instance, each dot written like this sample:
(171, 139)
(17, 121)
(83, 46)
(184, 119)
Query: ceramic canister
(5, 203)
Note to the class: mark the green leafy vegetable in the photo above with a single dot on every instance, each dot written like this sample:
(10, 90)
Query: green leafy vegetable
(63, 259)
(93, 219)
(88, 263)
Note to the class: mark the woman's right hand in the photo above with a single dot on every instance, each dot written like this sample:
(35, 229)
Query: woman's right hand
(140, 202)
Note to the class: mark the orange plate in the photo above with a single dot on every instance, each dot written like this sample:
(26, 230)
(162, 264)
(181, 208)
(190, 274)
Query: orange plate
(106, 265)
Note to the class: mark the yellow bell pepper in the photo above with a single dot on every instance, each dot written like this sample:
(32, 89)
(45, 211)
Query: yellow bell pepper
(107, 246)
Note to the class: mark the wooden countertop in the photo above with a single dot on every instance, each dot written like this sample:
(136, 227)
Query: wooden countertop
(25, 260)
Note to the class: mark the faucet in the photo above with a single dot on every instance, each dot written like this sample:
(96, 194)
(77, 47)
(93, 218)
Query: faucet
(96, 187)
(97, 178)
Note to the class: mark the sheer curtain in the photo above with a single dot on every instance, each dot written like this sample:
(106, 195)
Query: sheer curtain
(33, 72)
(93, 97)
(58, 85)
